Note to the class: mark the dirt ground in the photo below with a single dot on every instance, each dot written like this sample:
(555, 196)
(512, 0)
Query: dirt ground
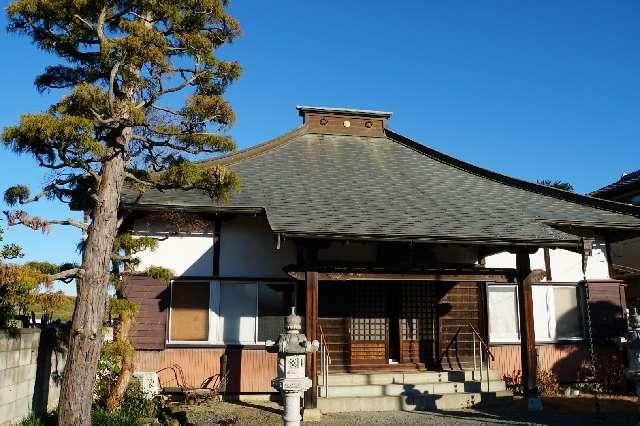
(564, 411)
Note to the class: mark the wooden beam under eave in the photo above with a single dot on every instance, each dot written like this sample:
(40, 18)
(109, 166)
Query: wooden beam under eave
(311, 327)
(527, 330)
(364, 276)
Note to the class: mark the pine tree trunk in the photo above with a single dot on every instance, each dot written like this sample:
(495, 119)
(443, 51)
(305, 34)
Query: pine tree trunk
(76, 393)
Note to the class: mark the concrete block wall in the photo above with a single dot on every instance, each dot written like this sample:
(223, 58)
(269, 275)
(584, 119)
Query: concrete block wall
(31, 364)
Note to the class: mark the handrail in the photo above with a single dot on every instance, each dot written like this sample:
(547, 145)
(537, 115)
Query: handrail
(446, 350)
(482, 342)
(323, 342)
(325, 360)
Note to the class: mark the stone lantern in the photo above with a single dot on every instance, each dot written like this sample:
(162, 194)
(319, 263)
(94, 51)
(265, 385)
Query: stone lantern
(292, 347)
(631, 340)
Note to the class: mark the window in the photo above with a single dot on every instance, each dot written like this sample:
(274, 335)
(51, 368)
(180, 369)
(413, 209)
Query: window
(238, 312)
(568, 317)
(502, 303)
(274, 304)
(556, 313)
(229, 312)
(189, 311)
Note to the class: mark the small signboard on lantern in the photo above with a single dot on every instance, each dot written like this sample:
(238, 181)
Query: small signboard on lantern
(294, 366)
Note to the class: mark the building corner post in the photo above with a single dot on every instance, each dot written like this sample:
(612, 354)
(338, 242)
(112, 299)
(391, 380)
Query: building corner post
(311, 326)
(527, 332)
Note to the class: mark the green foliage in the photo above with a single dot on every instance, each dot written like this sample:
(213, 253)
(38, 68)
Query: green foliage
(107, 373)
(118, 306)
(558, 184)
(9, 251)
(129, 244)
(18, 288)
(216, 181)
(16, 194)
(62, 309)
(49, 419)
(159, 273)
(135, 404)
(103, 417)
(120, 59)
(43, 267)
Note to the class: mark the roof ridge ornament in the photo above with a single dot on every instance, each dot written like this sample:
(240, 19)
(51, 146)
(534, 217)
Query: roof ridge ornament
(344, 121)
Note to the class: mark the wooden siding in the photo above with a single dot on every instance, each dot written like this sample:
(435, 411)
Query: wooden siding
(250, 370)
(460, 305)
(569, 362)
(152, 296)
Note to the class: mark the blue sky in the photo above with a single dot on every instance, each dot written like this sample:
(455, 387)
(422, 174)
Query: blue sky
(532, 89)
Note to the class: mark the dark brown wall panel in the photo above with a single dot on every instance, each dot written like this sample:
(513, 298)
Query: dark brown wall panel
(152, 297)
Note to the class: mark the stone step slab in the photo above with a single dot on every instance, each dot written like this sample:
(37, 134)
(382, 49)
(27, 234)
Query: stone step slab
(410, 389)
(349, 379)
(422, 402)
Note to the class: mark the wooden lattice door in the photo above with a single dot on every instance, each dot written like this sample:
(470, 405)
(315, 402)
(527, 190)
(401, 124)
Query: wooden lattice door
(418, 322)
(369, 329)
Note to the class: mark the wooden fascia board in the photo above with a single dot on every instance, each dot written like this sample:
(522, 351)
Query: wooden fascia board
(369, 276)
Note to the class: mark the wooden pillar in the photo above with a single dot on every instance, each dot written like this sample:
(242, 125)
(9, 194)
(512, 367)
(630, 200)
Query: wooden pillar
(527, 331)
(311, 326)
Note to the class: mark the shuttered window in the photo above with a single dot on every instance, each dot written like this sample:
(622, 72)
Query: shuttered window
(189, 312)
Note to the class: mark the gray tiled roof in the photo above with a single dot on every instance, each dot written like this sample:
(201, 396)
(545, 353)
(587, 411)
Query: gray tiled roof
(627, 183)
(392, 188)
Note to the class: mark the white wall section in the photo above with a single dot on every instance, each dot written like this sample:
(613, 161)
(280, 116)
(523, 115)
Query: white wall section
(566, 266)
(248, 249)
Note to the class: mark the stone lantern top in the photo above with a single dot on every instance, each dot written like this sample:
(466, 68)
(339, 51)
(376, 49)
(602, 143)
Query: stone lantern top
(293, 322)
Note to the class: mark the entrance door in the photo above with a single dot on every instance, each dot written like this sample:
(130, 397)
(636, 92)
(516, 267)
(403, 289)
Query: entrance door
(369, 324)
(418, 322)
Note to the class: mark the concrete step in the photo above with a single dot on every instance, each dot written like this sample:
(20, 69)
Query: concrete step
(409, 389)
(350, 379)
(418, 402)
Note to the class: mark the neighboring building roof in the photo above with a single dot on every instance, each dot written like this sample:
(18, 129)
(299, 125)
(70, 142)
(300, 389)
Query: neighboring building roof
(320, 181)
(627, 186)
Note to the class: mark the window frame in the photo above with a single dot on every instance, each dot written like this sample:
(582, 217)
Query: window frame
(216, 327)
(556, 339)
(517, 308)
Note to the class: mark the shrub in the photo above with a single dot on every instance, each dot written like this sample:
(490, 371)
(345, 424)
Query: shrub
(49, 419)
(548, 383)
(103, 417)
(135, 403)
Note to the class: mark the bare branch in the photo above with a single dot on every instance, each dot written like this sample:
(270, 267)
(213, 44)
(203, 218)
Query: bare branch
(165, 109)
(67, 275)
(70, 222)
(120, 258)
(84, 21)
(134, 178)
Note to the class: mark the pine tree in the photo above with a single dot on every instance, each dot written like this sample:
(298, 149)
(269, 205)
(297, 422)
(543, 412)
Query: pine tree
(115, 126)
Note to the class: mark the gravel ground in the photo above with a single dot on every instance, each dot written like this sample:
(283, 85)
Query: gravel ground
(268, 413)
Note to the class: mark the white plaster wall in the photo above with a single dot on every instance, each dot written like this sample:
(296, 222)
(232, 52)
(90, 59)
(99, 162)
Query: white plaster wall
(566, 266)
(186, 254)
(248, 249)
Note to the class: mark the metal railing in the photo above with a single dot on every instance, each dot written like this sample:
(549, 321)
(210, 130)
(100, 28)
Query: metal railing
(325, 361)
(483, 348)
